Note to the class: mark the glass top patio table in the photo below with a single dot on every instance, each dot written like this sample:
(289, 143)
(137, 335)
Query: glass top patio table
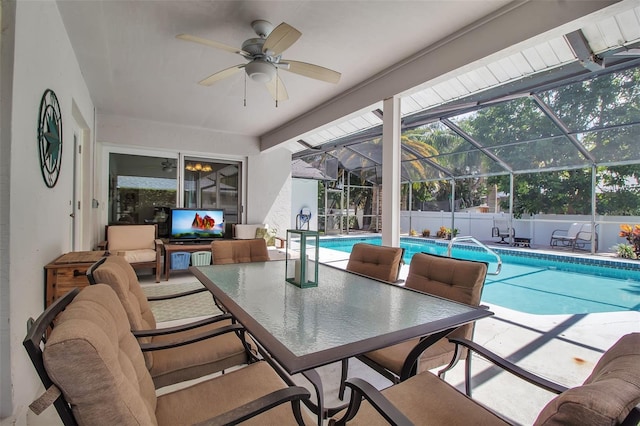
(346, 315)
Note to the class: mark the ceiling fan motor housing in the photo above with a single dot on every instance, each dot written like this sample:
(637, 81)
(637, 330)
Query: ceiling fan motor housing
(260, 71)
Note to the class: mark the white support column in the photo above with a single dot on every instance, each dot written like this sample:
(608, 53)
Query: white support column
(391, 172)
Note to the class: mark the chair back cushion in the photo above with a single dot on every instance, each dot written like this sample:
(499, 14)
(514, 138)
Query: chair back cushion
(454, 279)
(247, 231)
(131, 237)
(379, 262)
(118, 274)
(607, 396)
(96, 362)
(239, 251)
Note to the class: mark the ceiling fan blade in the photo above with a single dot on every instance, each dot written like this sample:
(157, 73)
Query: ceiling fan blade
(280, 39)
(220, 75)
(212, 43)
(312, 71)
(277, 90)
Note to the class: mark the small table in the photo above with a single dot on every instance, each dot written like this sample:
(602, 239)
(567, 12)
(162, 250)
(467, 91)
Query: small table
(68, 271)
(173, 248)
(345, 315)
(521, 242)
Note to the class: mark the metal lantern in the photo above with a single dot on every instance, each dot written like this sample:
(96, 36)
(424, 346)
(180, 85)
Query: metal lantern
(302, 258)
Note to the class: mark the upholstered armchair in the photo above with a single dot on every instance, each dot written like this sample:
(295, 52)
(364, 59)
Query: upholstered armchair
(138, 244)
(173, 364)
(95, 374)
(455, 279)
(609, 396)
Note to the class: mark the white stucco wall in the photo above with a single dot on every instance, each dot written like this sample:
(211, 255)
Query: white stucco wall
(39, 222)
(304, 194)
(269, 189)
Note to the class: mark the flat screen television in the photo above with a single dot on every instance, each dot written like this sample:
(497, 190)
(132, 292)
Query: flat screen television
(193, 225)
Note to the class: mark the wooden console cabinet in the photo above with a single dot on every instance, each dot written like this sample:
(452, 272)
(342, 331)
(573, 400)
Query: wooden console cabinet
(68, 271)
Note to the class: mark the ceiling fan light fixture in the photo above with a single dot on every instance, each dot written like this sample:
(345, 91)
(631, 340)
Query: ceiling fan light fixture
(260, 71)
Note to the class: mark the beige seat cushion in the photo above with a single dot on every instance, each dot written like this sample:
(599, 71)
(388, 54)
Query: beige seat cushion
(96, 362)
(239, 251)
(177, 364)
(379, 262)
(138, 256)
(427, 400)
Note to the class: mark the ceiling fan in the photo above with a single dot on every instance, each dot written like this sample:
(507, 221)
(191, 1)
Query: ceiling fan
(264, 56)
(168, 166)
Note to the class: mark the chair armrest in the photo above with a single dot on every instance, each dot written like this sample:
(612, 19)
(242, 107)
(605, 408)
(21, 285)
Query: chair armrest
(102, 245)
(559, 233)
(159, 245)
(176, 295)
(293, 394)
(193, 339)
(362, 389)
(280, 242)
(508, 366)
(182, 327)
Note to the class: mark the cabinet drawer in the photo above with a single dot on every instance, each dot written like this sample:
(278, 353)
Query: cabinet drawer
(71, 276)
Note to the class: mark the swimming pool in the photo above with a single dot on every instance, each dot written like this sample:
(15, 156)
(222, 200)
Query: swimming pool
(536, 283)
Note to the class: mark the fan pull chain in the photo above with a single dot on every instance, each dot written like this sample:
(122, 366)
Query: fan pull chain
(277, 81)
(245, 89)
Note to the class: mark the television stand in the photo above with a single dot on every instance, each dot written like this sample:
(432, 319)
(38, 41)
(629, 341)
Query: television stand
(181, 246)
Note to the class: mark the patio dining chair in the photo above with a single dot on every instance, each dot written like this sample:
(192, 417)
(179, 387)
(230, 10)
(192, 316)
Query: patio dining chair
(577, 236)
(176, 363)
(609, 396)
(239, 251)
(455, 279)
(374, 261)
(94, 373)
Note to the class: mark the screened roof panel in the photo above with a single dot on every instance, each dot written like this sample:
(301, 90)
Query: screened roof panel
(371, 150)
(468, 163)
(617, 94)
(495, 119)
(420, 170)
(351, 160)
(509, 122)
(549, 153)
(613, 145)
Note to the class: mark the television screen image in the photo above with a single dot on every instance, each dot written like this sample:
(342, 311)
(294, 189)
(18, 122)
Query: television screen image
(196, 224)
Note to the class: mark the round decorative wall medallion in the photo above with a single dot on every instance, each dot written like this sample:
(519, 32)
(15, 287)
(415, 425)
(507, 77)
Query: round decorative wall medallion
(50, 138)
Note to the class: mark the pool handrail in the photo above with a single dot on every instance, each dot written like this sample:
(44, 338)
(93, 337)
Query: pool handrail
(472, 239)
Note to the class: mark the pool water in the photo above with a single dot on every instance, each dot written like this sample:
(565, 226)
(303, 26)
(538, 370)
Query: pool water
(536, 283)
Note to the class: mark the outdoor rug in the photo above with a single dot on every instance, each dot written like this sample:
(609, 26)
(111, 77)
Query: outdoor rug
(195, 305)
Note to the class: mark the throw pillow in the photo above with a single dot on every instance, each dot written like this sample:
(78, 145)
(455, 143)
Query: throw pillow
(268, 235)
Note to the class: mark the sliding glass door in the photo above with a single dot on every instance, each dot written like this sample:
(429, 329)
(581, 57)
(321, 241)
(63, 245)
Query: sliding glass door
(144, 189)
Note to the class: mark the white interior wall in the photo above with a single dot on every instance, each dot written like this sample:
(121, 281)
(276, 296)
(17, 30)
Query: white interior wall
(304, 194)
(39, 222)
(269, 189)
(7, 21)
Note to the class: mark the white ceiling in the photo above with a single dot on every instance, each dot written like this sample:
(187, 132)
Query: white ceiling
(135, 67)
